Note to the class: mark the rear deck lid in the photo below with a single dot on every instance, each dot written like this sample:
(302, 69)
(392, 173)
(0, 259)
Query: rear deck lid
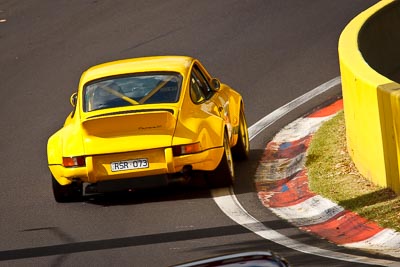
(129, 130)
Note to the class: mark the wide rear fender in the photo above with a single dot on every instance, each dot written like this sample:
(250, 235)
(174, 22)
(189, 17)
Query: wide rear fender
(208, 130)
(54, 149)
(66, 142)
(235, 105)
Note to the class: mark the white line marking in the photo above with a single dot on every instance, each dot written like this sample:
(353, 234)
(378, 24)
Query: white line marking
(389, 237)
(311, 211)
(229, 204)
(300, 128)
(268, 120)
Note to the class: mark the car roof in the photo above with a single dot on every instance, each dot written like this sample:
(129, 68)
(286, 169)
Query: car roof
(179, 64)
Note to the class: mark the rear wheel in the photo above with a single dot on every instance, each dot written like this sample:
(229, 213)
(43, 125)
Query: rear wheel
(241, 150)
(224, 174)
(66, 193)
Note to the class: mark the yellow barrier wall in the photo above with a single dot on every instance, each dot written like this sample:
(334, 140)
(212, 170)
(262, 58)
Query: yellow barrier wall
(369, 56)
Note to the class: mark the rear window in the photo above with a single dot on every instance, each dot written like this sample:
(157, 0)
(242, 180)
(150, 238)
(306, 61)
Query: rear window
(137, 89)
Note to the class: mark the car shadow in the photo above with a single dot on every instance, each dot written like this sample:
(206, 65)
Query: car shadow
(160, 194)
(196, 188)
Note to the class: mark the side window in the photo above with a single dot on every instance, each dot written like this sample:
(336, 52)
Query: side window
(196, 94)
(200, 89)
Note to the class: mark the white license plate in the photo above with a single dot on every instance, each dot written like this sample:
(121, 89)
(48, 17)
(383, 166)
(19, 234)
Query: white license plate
(129, 165)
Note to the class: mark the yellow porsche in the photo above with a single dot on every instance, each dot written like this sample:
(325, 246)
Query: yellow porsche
(147, 122)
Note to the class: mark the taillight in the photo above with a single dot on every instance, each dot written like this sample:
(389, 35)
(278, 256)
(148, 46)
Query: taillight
(74, 161)
(186, 149)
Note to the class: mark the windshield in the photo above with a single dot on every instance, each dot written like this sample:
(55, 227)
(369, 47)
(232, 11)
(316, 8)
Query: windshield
(138, 89)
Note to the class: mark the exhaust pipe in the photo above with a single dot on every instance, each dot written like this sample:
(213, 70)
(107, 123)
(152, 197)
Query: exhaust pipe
(91, 189)
(183, 176)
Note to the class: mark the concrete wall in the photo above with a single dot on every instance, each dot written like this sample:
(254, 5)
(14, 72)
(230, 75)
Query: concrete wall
(369, 55)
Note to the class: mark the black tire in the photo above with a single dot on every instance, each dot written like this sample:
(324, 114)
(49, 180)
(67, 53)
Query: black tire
(241, 150)
(66, 193)
(224, 174)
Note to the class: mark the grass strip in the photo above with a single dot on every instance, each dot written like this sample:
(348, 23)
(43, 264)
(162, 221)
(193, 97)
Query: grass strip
(332, 174)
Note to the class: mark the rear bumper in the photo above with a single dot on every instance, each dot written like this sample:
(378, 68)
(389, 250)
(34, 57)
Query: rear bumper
(161, 164)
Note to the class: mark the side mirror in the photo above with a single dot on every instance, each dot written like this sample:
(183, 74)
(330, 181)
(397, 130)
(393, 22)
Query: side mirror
(215, 84)
(73, 99)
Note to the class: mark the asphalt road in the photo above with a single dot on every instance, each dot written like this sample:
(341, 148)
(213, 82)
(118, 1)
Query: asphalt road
(270, 51)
